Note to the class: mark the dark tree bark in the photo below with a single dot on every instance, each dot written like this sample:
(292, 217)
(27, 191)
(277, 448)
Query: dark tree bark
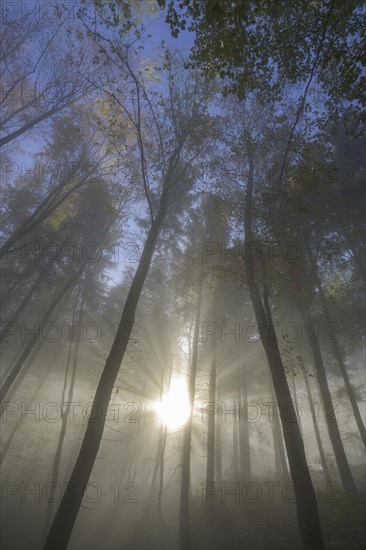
(316, 428)
(342, 367)
(6, 446)
(235, 442)
(161, 475)
(67, 512)
(279, 449)
(14, 285)
(306, 506)
(218, 456)
(65, 409)
(245, 468)
(330, 417)
(210, 472)
(36, 120)
(294, 396)
(46, 207)
(27, 298)
(17, 373)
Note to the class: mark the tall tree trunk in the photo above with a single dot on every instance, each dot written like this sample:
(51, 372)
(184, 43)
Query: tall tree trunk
(358, 255)
(184, 532)
(17, 374)
(330, 417)
(23, 304)
(161, 475)
(210, 472)
(342, 367)
(36, 120)
(306, 506)
(67, 512)
(65, 409)
(160, 445)
(279, 449)
(14, 285)
(235, 440)
(6, 446)
(218, 456)
(294, 395)
(315, 425)
(43, 211)
(245, 469)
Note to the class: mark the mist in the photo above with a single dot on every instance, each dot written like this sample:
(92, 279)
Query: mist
(182, 275)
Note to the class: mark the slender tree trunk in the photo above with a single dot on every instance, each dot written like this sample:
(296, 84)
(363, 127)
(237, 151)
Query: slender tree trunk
(357, 254)
(210, 473)
(235, 442)
(23, 304)
(161, 475)
(6, 446)
(67, 512)
(65, 409)
(160, 445)
(279, 449)
(29, 125)
(245, 468)
(330, 417)
(342, 367)
(218, 460)
(316, 429)
(307, 510)
(17, 374)
(43, 211)
(306, 506)
(294, 394)
(14, 285)
(184, 532)
(162, 455)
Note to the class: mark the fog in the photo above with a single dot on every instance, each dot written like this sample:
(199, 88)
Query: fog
(182, 275)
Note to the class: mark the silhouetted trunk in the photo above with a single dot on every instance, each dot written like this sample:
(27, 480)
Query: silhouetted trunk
(330, 417)
(65, 409)
(210, 472)
(235, 440)
(14, 285)
(67, 512)
(294, 395)
(160, 446)
(218, 456)
(342, 367)
(6, 446)
(323, 461)
(36, 120)
(245, 469)
(279, 449)
(23, 304)
(43, 211)
(184, 534)
(17, 374)
(161, 474)
(161, 460)
(357, 253)
(306, 506)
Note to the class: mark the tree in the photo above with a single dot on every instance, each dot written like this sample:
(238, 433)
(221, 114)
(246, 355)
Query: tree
(259, 45)
(186, 127)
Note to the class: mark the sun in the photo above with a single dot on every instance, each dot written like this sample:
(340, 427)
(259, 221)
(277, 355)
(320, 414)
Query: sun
(174, 410)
